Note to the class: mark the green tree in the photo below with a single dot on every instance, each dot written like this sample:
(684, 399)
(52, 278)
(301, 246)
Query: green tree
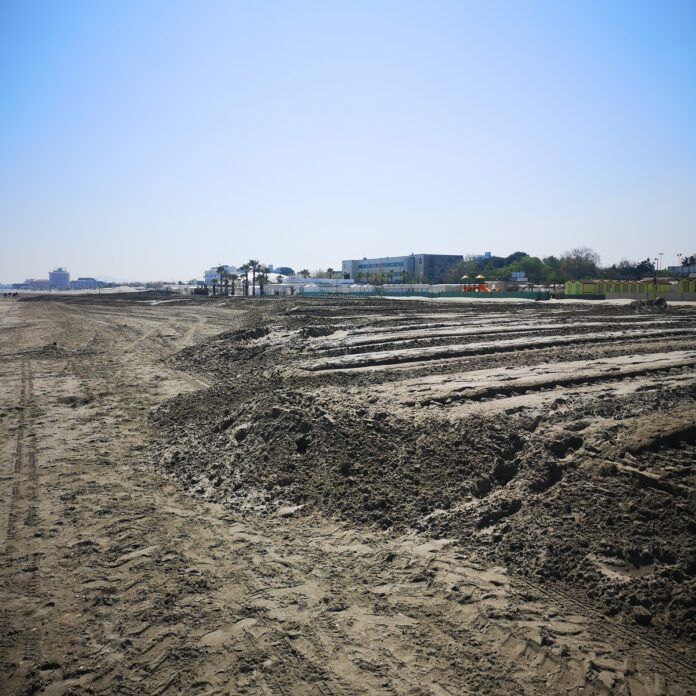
(579, 264)
(224, 280)
(254, 265)
(262, 278)
(552, 270)
(468, 266)
(533, 268)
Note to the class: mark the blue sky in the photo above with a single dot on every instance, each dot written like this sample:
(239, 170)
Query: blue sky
(153, 140)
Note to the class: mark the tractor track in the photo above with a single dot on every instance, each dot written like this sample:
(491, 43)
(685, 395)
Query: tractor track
(669, 658)
(21, 568)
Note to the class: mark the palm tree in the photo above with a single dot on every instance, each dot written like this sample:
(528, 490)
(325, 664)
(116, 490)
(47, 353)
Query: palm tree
(404, 276)
(330, 272)
(254, 265)
(213, 282)
(223, 278)
(233, 277)
(263, 278)
(391, 275)
(245, 268)
(304, 273)
(279, 279)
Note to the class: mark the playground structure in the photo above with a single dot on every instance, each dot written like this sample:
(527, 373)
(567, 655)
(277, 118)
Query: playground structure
(477, 284)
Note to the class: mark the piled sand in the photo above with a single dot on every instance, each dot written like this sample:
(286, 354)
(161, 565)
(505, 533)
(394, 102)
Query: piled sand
(559, 441)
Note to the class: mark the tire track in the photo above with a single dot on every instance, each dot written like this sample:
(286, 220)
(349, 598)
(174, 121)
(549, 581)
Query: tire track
(21, 569)
(18, 462)
(669, 659)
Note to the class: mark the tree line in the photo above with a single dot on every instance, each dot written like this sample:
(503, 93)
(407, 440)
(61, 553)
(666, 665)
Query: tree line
(577, 264)
(227, 281)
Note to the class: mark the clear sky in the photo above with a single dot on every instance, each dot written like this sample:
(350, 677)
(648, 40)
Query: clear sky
(147, 140)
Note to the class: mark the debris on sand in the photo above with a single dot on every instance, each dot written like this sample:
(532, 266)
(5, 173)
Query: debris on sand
(658, 304)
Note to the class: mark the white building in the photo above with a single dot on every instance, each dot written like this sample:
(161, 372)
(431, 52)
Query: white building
(212, 274)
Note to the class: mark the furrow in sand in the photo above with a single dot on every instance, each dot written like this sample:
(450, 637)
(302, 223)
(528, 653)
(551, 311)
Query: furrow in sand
(418, 355)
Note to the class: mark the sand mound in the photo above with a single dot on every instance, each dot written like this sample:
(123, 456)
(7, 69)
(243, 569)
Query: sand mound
(539, 455)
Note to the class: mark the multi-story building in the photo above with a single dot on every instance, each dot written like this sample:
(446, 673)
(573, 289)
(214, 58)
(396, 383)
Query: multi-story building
(59, 279)
(418, 268)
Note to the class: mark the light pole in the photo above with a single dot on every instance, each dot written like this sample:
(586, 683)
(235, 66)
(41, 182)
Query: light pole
(660, 266)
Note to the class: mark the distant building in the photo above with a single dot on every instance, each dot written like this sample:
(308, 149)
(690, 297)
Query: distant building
(681, 270)
(483, 257)
(59, 279)
(36, 284)
(212, 274)
(284, 270)
(419, 268)
(519, 277)
(85, 284)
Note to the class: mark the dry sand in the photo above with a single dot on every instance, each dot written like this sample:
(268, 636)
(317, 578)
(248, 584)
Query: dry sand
(345, 496)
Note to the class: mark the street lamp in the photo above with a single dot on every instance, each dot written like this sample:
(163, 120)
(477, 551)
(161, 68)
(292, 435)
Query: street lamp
(660, 266)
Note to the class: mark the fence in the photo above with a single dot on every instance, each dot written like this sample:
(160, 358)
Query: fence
(595, 296)
(354, 292)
